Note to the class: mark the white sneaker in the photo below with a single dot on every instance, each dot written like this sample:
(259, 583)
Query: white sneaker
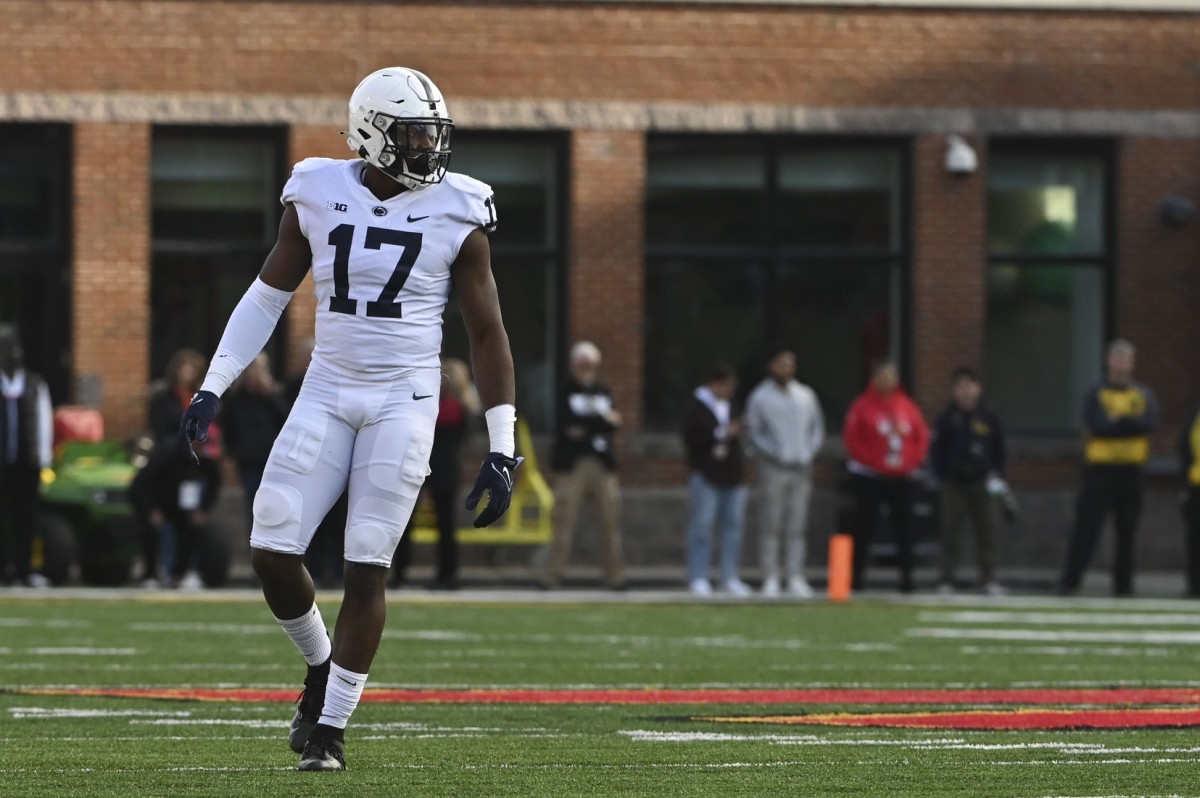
(736, 587)
(151, 583)
(700, 587)
(994, 589)
(37, 580)
(191, 581)
(799, 587)
(770, 587)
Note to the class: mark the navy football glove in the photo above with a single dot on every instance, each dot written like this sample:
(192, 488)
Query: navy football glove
(496, 477)
(194, 426)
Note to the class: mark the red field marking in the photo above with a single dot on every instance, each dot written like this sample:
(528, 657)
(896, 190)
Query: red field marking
(1103, 698)
(1023, 719)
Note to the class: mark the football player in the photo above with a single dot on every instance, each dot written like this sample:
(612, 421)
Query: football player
(385, 235)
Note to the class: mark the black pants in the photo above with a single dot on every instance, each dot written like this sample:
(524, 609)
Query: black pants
(871, 494)
(18, 519)
(1191, 520)
(443, 492)
(189, 542)
(1105, 487)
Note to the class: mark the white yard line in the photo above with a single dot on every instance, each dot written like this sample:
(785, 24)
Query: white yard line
(1191, 619)
(1056, 635)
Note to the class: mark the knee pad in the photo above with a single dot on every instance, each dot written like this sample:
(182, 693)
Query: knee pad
(374, 530)
(277, 506)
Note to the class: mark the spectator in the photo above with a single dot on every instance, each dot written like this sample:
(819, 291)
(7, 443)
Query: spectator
(886, 439)
(1189, 456)
(1118, 416)
(253, 415)
(711, 435)
(26, 447)
(968, 455)
(168, 401)
(585, 467)
(458, 403)
(785, 428)
(171, 500)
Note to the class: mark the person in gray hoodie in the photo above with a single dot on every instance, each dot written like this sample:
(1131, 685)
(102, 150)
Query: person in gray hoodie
(785, 429)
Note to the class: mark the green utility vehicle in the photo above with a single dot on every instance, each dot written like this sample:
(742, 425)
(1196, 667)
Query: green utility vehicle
(86, 519)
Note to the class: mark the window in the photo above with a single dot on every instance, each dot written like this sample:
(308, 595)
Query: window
(215, 204)
(527, 256)
(1048, 266)
(759, 244)
(35, 245)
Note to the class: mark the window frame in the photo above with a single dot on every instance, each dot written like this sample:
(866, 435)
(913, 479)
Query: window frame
(47, 338)
(553, 255)
(776, 256)
(1105, 150)
(228, 256)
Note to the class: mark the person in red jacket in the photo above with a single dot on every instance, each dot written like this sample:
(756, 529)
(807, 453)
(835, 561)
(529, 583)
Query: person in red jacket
(886, 439)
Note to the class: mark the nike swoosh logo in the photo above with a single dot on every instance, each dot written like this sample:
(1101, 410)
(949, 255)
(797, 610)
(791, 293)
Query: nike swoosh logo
(417, 398)
(348, 681)
(503, 472)
(412, 218)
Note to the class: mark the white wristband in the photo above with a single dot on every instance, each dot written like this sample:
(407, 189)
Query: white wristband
(501, 420)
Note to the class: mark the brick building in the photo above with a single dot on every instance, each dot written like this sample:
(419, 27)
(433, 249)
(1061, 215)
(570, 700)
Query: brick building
(677, 181)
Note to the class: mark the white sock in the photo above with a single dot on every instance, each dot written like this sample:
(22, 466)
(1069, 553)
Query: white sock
(310, 636)
(342, 692)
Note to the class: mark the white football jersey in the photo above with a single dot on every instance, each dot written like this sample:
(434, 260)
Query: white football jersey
(382, 267)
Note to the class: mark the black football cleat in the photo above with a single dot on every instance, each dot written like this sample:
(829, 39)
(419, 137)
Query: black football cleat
(323, 751)
(308, 706)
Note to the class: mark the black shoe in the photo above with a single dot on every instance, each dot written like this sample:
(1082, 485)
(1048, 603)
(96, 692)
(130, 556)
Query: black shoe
(325, 750)
(309, 706)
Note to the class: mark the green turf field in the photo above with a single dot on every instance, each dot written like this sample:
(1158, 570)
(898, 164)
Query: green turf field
(63, 743)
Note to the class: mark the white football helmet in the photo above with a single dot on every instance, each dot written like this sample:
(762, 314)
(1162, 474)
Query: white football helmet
(399, 123)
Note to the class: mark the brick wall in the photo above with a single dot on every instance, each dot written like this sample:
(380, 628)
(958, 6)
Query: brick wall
(737, 55)
(605, 281)
(1158, 271)
(111, 269)
(949, 293)
(741, 53)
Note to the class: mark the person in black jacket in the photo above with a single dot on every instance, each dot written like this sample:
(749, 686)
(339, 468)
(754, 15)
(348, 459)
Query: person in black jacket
(968, 455)
(585, 467)
(26, 431)
(171, 500)
(1189, 457)
(717, 483)
(171, 503)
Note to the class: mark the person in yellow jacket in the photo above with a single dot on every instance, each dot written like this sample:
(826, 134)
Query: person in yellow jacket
(1189, 456)
(1118, 416)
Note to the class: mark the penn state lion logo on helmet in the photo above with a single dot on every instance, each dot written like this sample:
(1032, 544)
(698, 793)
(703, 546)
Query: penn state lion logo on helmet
(399, 123)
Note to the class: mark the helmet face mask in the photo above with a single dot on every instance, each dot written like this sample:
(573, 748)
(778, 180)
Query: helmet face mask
(400, 125)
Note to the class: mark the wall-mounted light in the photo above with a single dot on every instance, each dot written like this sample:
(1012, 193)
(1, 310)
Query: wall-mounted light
(1176, 211)
(960, 158)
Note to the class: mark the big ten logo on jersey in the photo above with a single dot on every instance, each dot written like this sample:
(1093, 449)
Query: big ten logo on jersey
(340, 207)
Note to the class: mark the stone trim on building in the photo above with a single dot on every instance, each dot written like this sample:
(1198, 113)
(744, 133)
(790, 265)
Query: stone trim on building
(243, 109)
